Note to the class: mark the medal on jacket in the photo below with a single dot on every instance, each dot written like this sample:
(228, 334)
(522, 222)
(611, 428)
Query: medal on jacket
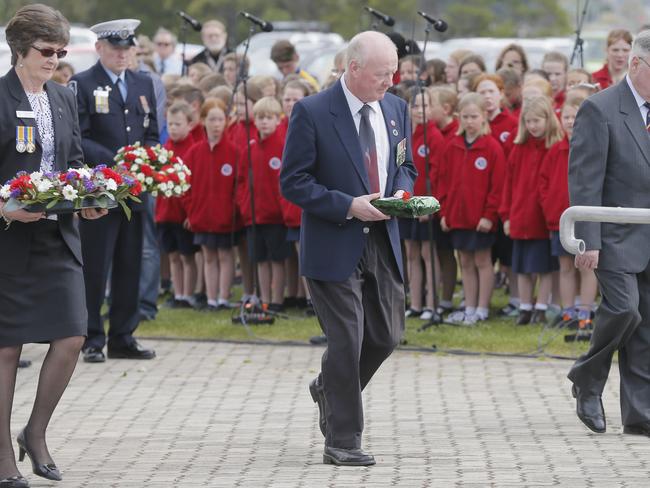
(101, 100)
(31, 145)
(147, 111)
(21, 139)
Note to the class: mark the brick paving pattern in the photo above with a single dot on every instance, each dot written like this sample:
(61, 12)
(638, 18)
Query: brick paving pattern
(239, 415)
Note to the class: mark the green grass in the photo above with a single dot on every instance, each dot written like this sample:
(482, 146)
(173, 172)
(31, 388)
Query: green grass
(493, 336)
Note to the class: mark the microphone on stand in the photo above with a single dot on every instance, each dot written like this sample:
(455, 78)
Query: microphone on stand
(263, 24)
(386, 19)
(438, 24)
(196, 25)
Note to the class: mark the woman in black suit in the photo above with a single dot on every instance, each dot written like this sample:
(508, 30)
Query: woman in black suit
(42, 296)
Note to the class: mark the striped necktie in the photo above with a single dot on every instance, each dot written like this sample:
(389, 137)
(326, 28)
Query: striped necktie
(369, 148)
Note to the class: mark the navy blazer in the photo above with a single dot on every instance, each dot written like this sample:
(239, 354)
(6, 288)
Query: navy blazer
(103, 134)
(15, 242)
(323, 170)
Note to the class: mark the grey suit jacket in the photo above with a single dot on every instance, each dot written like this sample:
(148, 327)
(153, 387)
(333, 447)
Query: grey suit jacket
(609, 166)
(15, 241)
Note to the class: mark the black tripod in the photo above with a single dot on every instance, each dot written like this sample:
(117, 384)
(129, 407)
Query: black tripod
(578, 47)
(436, 318)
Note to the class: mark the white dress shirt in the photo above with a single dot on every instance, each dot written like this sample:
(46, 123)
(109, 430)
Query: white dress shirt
(379, 128)
(639, 100)
(173, 64)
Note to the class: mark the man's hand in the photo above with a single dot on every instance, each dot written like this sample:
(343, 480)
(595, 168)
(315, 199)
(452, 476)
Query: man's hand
(484, 225)
(364, 211)
(93, 213)
(506, 228)
(23, 215)
(588, 260)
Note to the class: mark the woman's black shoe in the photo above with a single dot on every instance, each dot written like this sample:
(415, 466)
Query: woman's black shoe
(49, 471)
(14, 482)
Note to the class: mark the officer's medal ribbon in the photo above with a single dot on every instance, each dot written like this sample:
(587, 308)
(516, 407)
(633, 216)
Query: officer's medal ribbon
(147, 111)
(31, 144)
(101, 101)
(21, 139)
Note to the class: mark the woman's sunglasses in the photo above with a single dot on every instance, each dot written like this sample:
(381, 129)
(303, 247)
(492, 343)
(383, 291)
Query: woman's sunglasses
(47, 52)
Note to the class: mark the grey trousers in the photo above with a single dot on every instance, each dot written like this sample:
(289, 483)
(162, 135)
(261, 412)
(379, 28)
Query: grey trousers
(622, 323)
(363, 319)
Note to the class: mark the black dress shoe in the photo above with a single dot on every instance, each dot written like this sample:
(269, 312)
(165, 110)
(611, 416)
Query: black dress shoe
(318, 340)
(538, 317)
(94, 355)
(132, 351)
(318, 395)
(638, 429)
(590, 410)
(347, 457)
(524, 317)
(14, 482)
(49, 471)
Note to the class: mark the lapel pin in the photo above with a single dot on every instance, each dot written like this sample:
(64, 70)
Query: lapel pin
(392, 122)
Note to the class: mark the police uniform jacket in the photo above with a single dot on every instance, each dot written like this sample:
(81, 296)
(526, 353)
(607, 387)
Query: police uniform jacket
(15, 241)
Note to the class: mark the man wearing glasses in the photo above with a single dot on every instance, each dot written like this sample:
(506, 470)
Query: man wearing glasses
(609, 165)
(165, 58)
(116, 107)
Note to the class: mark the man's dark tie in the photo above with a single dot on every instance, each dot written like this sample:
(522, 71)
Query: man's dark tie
(121, 87)
(162, 66)
(369, 148)
(647, 117)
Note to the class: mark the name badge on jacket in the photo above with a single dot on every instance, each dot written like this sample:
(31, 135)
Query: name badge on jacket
(147, 111)
(400, 155)
(101, 100)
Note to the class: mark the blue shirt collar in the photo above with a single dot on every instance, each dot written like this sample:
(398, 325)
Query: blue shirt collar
(112, 76)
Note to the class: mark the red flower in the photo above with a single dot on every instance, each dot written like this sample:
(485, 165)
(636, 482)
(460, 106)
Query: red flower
(406, 196)
(136, 189)
(174, 177)
(146, 170)
(167, 167)
(113, 175)
(151, 153)
(159, 177)
(130, 157)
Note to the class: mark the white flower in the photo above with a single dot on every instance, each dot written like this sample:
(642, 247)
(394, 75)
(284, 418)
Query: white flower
(111, 185)
(148, 180)
(134, 167)
(141, 177)
(138, 160)
(154, 193)
(168, 193)
(69, 193)
(162, 159)
(43, 185)
(5, 192)
(177, 190)
(170, 185)
(36, 176)
(83, 172)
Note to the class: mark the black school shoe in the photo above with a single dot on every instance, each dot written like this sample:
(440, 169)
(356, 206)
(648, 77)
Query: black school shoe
(131, 351)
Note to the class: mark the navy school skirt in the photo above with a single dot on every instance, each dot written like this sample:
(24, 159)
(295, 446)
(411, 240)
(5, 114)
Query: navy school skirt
(533, 256)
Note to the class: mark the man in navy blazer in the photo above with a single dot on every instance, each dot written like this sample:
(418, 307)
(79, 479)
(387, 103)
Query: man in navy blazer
(346, 146)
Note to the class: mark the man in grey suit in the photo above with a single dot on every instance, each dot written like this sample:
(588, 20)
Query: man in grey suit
(609, 165)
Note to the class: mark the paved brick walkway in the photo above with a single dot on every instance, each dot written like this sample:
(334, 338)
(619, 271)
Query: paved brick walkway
(225, 415)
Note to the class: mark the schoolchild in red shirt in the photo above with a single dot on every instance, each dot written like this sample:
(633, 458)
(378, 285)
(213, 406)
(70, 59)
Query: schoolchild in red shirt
(174, 239)
(556, 65)
(503, 128)
(270, 247)
(210, 203)
(554, 195)
(415, 232)
(297, 290)
(619, 45)
(471, 173)
(443, 113)
(193, 96)
(521, 210)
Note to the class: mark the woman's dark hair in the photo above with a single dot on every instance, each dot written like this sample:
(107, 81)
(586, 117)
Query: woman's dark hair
(519, 50)
(33, 23)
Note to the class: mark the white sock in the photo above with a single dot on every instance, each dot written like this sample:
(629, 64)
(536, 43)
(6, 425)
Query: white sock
(541, 306)
(179, 297)
(514, 301)
(526, 307)
(469, 311)
(482, 312)
(213, 303)
(223, 301)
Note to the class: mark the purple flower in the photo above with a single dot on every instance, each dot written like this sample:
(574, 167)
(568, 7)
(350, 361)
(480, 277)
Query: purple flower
(89, 185)
(128, 180)
(99, 168)
(16, 193)
(70, 176)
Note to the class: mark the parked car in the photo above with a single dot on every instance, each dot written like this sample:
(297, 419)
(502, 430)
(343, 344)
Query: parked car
(308, 45)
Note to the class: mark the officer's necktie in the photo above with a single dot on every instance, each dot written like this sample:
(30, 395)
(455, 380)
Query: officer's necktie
(122, 87)
(647, 117)
(162, 66)
(369, 148)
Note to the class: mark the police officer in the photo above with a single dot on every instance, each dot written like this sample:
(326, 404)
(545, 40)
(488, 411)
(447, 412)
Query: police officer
(117, 107)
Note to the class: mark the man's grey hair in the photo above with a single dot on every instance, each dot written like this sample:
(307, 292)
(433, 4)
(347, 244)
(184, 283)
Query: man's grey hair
(360, 46)
(641, 44)
(163, 31)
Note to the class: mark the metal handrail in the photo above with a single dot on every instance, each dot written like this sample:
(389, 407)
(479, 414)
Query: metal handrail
(615, 215)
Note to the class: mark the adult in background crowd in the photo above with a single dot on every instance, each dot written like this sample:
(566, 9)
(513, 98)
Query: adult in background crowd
(619, 44)
(165, 59)
(610, 151)
(286, 58)
(42, 285)
(214, 37)
(116, 107)
(345, 147)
